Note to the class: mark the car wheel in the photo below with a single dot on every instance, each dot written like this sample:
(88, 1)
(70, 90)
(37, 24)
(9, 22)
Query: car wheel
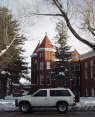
(62, 107)
(25, 107)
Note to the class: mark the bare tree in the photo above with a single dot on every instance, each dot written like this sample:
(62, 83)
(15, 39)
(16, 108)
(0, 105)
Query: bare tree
(88, 18)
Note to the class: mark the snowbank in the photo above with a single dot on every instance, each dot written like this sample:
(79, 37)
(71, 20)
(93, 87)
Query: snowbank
(85, 104)
(7, 105)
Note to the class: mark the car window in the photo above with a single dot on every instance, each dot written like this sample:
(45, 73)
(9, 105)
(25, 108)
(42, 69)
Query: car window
(41, 93)
(59, 93)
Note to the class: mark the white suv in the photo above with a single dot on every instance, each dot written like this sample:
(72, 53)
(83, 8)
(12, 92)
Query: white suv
(61, 98)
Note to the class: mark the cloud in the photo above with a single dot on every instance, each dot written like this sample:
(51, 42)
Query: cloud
(34, 27)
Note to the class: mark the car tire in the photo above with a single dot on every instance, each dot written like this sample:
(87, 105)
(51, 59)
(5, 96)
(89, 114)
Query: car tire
(62, 107)
(25, 107)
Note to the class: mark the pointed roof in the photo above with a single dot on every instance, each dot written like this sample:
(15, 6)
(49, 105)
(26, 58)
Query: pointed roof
(46, 43)
(36, 48)
(75, 56)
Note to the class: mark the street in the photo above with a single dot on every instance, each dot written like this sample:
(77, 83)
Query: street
(47, 114)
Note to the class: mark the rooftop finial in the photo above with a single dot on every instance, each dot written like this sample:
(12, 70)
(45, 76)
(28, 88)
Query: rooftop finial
(39, 41)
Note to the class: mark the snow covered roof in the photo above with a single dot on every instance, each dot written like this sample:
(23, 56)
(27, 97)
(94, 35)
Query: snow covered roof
(87, 55)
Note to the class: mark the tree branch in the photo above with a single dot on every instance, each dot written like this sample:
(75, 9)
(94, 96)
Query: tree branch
(92, 30)
(47, 14)
(57, 3)
(7, 47)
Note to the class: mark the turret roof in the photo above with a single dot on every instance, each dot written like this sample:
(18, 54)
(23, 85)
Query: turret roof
(46, 43)
(75, 52)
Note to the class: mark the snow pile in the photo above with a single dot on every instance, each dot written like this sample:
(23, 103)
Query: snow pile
(7, 105)
(11, 98)
(85, 104)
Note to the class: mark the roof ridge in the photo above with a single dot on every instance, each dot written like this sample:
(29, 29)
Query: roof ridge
(37, 47)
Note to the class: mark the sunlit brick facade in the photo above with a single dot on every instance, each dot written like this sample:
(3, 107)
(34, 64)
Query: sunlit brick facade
(82, 69)
(42, 59)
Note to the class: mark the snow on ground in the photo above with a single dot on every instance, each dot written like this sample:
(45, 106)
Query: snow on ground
(7, 105)
(85, 104)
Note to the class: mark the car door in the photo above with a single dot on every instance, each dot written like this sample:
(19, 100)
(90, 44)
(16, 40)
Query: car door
(58, 95)
(40, 98)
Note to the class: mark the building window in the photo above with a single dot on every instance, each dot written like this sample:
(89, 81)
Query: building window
(0, 84)
(41, 55)
(73, 82)
(48, 55)
(59, 93)
(76, 67)
(48, 78)
(78, 81)
(86, 70)
(91, 68)
(86, 91)
(48, 65)
(41, 65)
(35, 61)
(41, 78)
(41, 93)
(93, 91)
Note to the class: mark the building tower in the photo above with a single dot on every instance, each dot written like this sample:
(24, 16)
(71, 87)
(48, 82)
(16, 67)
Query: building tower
(42, 60)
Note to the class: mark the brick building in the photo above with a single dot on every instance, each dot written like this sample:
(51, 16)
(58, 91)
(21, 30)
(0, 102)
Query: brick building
(81, 78)
(42, 59)
(88, 74)
(75, 72)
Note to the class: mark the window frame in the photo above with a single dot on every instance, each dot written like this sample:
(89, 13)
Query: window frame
(41, 65)
(57, 91)
(48, 65)
(35, 95)
(41, 78)
(86, 70)
(91, 69)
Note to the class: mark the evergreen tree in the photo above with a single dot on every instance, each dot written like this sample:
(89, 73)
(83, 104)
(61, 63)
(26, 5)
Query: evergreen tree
(62, 54)
(12, 62)
(62, 48)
